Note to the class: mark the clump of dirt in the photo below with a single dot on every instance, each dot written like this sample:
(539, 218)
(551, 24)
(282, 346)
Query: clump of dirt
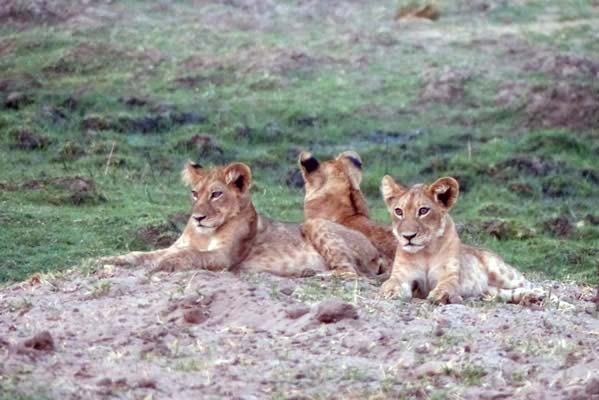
(559, 227)
(564, 66)
(535, 166)
(333, 310)
(40, 343)
(29, 140)
(134, 101)
(564, 105)
(205, 147)
(157, 236)
(443, 85)
(18, 83)
(523, 189)
(39, 11)
(62, 190)
(558, 186)
(16, 100)
(157, 122)
(507, 230)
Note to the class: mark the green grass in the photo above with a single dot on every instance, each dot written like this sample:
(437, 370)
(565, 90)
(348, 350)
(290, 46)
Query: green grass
(268, 83)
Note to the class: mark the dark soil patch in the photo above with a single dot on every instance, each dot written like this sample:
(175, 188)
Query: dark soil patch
(564, 66)
(39, 11)
(17, 100)
(63, 190)
(592, 175)
(39, 343)
(204, 147)
(154, 123)
(535, 166)
(563, 106)
(558, 186)
(559, 227)
(29, 140)
(444, 85)
(157, 236)
(507, 230)
(523, 189)
(134, 101)
(18, 83)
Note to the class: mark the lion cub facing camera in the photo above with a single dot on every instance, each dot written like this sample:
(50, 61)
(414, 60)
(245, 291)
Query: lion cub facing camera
(430, 256)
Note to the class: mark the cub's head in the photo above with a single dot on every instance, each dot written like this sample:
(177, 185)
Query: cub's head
(219, 194)
(332, 187)
(419, 213)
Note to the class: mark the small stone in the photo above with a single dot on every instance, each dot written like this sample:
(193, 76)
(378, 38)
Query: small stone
(330, 311)
(296, 311)
(194, 316)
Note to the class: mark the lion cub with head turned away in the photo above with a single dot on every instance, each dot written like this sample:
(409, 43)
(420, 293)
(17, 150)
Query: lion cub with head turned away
(430, 257)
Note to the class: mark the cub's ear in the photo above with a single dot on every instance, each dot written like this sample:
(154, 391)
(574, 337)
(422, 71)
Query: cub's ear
(353, 164)
(192, 173)
(239, 175)
(445, 191)
(391, 190)
(307, 163)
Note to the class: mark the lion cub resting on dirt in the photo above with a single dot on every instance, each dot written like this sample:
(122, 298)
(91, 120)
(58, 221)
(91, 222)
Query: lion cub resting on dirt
(430, 256)
(225, 232)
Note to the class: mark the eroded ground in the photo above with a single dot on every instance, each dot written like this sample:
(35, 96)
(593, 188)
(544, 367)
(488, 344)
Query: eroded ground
(124, 334)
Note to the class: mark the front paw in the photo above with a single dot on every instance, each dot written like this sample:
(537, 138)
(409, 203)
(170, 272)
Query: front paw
(444, 296)
(393, 288)
(168, 265)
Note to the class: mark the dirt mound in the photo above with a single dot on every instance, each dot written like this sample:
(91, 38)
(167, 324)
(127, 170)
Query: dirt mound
(203, 334)
(563, 66)
(36, 11)
(563, 106)
(443, 85)
(560, 226)
(59, 191)
(28, 140)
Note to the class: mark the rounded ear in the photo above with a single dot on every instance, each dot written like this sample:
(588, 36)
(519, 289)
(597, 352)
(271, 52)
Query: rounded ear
(238, 175)
(192, 173)
(391, 190)
(445, 191)
(353, 164)
(307, 163)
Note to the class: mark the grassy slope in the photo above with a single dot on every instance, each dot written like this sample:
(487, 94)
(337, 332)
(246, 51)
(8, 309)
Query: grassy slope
(328, 83)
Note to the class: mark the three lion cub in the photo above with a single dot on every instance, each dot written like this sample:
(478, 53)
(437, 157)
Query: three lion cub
(224, 231)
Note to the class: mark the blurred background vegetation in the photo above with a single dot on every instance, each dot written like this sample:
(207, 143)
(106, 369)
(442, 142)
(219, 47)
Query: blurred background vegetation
(101, 102)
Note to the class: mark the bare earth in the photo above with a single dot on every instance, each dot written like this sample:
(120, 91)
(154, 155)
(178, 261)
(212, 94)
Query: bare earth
(197, 334)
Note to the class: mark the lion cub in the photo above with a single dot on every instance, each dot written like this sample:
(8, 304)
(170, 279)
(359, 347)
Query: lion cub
(430, 256)
(226, 232)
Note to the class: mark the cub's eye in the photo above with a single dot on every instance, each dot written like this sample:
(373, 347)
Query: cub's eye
(216, 195)
(398, 212)
(423, 211)
(194, 194)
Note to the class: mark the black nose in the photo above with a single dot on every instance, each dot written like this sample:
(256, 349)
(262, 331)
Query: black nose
(409, 236)
(199, 218)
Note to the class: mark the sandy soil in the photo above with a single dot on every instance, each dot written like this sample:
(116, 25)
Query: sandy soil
(123, 334)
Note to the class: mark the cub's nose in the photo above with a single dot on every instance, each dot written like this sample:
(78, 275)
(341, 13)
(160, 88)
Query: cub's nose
(199, 218)
(408, 236)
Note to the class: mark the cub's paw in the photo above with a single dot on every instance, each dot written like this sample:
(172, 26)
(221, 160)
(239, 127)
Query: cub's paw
(168, 265)
(443, 296)
(392, 288)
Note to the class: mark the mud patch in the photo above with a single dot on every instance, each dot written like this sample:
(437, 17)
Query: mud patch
(507, 230)
(39, 11)
(158, 122)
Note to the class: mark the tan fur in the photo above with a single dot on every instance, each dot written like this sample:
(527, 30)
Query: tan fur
(225, 232)
(430, 256)
(333, 193)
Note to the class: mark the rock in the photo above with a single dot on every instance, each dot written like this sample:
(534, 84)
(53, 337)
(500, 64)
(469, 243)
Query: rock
(194, 316)
(39, 343)
(296, 311)
(333, 310)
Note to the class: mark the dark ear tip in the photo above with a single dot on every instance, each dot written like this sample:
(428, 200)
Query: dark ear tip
(356, 162)
(310, 164)
(195, 165)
